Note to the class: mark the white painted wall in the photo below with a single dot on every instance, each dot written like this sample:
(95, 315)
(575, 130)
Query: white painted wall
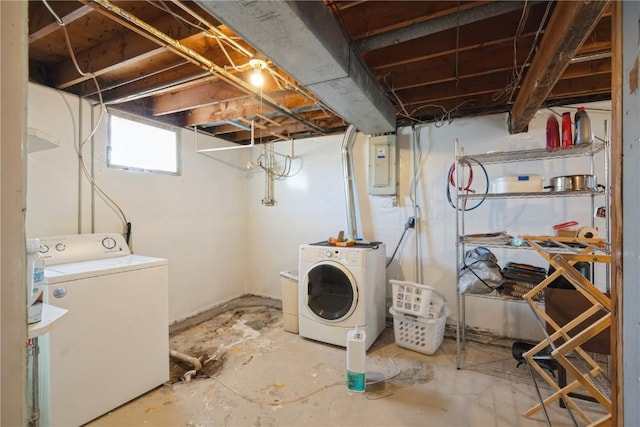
(195, 220)
(222, 242)
(310, 207)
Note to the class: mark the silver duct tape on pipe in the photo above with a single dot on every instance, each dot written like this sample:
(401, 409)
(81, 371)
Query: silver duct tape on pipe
(350, 192)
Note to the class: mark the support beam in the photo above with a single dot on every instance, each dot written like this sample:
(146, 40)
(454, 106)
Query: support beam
(618, 76)
(626, 225)
(570, 24)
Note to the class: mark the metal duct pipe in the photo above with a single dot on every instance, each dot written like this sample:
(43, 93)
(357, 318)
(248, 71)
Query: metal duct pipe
(349, 180)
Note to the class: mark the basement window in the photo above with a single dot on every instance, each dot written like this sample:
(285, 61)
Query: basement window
(139, 145)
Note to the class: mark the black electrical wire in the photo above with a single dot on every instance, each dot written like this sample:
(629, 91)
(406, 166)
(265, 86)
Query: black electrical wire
(467, 187)
(406, 227)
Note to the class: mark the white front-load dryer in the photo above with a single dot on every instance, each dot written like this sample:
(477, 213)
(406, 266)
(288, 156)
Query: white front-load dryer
(341, 288)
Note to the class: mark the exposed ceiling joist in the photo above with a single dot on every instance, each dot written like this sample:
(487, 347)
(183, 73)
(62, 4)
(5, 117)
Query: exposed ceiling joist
(196, 95)
(146, 30)
(569, 26)
(177, 63)
(117, 53)
(304, 40)
(46, 24)
(242, 107)
(463, 16)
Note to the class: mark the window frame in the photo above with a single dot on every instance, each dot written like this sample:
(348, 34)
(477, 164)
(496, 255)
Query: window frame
(131, 117)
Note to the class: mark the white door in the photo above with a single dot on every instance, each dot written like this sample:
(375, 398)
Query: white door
(330, 291)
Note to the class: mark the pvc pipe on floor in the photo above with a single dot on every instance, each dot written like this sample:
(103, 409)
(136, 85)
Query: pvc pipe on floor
(195, 362)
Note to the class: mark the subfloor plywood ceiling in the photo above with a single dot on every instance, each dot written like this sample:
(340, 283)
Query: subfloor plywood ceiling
(326, 64)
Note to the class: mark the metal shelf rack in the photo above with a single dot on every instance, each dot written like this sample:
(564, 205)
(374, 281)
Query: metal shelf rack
(460, 198)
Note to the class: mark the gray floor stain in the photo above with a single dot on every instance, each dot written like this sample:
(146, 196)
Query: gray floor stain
(418, 373)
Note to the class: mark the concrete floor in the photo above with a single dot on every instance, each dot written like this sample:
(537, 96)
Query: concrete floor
(257, 374)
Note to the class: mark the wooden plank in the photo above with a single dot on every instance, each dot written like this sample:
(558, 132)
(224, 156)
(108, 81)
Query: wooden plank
(130, 50)
(478, 62)
(423, 26)
(242, 107)
(585, 335)
(156, 82)
(584, 69)
(615, 216)
(552, 383)
(585, 381)
(570, 24)
(583, 85)
(379, 17)
(42, 22)
(473, 36)
(471, 86)
(292, 129)
(574, 385)
(207, 92)
(584, 286)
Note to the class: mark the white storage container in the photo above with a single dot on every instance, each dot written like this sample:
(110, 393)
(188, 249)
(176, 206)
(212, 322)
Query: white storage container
(418, 299)
(526, 183)
(289, 285)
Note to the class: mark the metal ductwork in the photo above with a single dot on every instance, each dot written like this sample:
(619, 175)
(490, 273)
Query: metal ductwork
(304, 40)
(350, 192)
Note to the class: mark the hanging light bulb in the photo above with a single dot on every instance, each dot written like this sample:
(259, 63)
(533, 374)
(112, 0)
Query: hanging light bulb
(256, 78)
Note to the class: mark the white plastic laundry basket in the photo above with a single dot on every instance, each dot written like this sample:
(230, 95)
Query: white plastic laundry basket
(418, 333)
(418, 299)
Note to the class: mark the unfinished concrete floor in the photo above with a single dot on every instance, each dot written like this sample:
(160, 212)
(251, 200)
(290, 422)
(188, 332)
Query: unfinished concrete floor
(257, 374)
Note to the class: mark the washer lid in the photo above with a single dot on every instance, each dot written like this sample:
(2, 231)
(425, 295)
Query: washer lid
(82, 270)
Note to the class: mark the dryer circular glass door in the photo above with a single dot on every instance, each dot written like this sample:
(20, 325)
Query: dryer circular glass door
(332, 293)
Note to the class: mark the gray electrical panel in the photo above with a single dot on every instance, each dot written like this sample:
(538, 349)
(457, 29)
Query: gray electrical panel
(382, 165)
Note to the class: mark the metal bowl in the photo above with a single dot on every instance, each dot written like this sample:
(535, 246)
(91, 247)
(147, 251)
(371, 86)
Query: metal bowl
(573, 183)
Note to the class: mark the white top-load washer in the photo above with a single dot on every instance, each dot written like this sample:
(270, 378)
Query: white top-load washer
(113, 345)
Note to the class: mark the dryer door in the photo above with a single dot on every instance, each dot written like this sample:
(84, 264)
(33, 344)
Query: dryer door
(332, 293)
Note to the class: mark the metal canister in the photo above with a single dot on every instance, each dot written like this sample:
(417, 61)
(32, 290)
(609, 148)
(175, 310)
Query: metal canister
(582, 122)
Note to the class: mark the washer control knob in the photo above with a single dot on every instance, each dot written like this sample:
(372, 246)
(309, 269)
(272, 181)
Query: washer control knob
(329, 254)
(60, 247)
(43, 249)
(109, 242)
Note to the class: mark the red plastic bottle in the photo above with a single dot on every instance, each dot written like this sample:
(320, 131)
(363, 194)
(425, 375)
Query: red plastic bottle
(567, 139)
(553, 132)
